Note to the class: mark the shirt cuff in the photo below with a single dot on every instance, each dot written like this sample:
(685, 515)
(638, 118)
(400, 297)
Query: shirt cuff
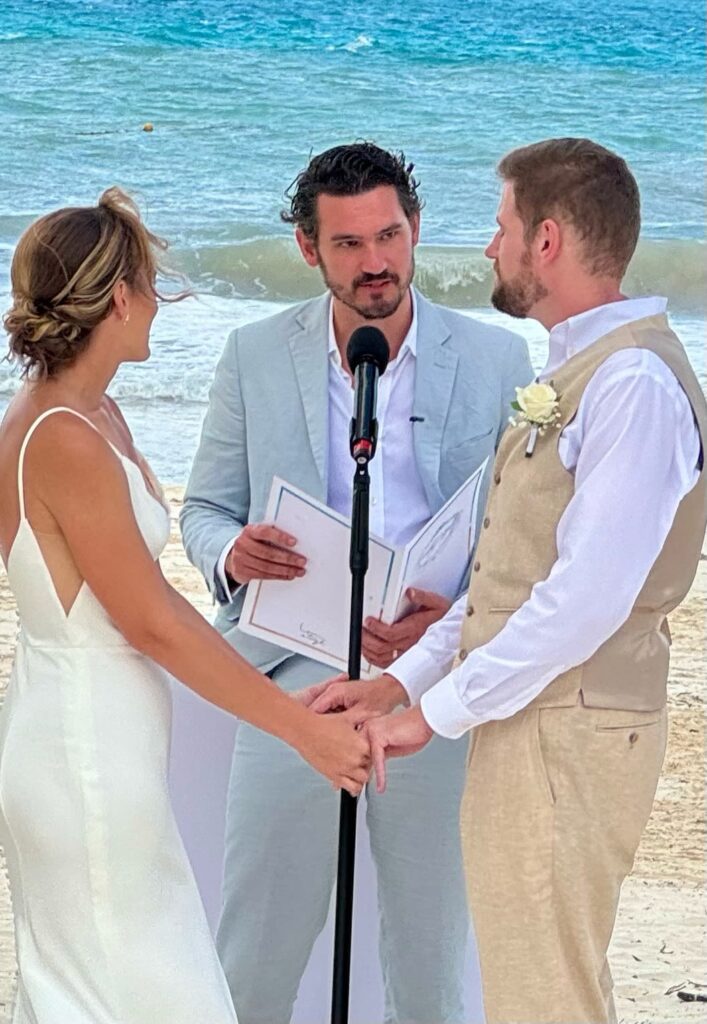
(444, 711)
(228, 587)
(416, 671)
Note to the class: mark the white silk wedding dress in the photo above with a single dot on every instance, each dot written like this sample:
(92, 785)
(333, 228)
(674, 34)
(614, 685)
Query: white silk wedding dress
(108, 921)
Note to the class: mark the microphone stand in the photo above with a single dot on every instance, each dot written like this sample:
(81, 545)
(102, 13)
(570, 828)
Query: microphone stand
(358, 563)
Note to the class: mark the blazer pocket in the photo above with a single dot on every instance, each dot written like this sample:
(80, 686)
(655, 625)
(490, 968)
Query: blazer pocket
(463, 448)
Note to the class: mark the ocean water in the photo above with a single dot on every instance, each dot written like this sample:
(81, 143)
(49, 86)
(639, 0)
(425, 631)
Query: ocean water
(239, 96)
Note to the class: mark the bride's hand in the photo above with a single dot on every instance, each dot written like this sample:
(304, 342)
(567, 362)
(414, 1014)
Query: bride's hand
(337, 751)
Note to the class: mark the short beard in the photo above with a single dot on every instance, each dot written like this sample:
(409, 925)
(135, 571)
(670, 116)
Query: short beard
(378, 309)
(518, 296)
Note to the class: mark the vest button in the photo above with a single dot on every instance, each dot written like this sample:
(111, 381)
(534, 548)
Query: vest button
(477, 566)
(463, 653)
(497, 478)
(487, 523)
(470, 610)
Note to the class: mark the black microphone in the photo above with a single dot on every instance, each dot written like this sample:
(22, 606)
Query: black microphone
(367, 354)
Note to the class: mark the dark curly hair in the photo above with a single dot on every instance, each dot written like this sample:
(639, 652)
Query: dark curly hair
(348, 171)
(64, 270)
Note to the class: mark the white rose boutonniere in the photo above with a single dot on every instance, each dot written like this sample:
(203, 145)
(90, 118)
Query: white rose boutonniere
(538, 406)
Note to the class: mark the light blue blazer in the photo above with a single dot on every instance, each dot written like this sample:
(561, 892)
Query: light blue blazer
(268, 416)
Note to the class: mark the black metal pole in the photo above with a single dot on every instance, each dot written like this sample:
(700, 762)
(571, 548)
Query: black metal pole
(358, 562)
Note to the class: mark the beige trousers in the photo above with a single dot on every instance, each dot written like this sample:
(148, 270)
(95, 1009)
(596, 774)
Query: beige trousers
(554, 808)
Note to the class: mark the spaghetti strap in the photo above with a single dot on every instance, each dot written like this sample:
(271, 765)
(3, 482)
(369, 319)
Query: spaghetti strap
(23, 448)
(86, 714)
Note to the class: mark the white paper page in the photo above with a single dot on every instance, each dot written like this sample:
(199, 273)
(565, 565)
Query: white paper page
(310, 615)
(438, 556)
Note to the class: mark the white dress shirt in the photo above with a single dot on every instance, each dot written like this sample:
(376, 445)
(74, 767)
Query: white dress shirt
(634, 434)
(398, 506)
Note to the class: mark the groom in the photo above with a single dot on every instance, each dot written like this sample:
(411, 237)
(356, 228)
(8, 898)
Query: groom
(558, 658)
(281, 405)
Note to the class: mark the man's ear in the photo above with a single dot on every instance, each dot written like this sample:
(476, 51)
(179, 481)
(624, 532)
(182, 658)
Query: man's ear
(307, 247)
(547, 243)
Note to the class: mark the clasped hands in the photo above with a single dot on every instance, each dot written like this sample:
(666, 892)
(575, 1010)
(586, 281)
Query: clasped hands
(263, 551)
(368, 705)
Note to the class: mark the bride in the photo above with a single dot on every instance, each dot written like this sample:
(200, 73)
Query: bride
(109, 925)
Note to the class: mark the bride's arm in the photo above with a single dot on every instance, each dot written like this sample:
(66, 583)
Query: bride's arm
(81, 481)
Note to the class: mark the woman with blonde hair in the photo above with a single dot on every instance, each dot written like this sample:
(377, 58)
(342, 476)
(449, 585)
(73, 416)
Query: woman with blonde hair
(108, 921)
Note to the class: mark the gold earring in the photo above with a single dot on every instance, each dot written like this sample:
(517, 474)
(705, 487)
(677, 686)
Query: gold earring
(125, 322)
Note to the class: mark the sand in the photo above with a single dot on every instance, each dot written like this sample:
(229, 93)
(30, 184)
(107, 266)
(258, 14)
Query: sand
(659, 946)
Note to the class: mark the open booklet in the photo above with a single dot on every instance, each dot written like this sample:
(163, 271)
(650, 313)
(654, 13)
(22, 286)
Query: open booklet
(310, 615)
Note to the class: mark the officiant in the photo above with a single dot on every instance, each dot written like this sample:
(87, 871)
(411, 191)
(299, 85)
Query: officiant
(280, 405)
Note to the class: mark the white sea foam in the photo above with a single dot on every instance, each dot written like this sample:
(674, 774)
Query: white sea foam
(458, 275)
(361, 42)
(164, 399)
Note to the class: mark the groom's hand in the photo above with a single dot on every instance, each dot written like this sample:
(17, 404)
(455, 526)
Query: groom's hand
(309, 694)
(361, 699)
(263, 552)
(383, 643)
(396, 736)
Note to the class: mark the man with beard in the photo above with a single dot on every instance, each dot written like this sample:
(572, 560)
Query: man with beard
(558, 657)
(281, 404)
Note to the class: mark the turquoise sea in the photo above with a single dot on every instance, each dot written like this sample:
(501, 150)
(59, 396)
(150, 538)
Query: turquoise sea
(240, 94)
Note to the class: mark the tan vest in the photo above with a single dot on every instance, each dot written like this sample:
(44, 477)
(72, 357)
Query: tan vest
(517, 545)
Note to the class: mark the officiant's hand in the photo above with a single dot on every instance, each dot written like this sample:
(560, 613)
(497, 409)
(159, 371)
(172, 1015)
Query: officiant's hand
(264, 552)
(360, 699)
(383, 643)
(396, 736)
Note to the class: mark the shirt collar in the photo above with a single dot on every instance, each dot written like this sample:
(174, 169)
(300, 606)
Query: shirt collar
(580, 331)
(409, 343)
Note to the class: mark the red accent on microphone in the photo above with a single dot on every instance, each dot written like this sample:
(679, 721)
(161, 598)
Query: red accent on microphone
(362, 447)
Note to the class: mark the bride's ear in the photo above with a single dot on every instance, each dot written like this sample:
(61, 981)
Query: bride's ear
(121, 301)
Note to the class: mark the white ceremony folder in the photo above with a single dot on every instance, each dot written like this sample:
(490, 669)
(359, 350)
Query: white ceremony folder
(310, 614)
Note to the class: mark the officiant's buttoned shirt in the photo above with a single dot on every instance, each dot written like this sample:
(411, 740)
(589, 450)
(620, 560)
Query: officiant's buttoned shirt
(398, 503)
(399, 506)
(634, 434)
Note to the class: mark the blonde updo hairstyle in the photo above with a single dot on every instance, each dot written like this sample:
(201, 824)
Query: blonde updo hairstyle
(64, 272)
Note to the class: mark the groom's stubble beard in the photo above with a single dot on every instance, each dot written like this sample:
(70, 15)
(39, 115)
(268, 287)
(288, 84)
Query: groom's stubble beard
(517, 295)
(376, 308)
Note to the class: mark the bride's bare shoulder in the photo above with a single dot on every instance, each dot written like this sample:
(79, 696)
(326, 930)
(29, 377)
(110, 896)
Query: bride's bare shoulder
(61, 443)
(16, 422)
(64, 455)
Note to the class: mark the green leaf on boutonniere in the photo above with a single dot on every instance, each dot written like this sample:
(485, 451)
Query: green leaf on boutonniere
(514, 405)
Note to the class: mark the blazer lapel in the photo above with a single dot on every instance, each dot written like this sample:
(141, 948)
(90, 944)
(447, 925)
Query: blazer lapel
(308, 346)
(436, 370)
